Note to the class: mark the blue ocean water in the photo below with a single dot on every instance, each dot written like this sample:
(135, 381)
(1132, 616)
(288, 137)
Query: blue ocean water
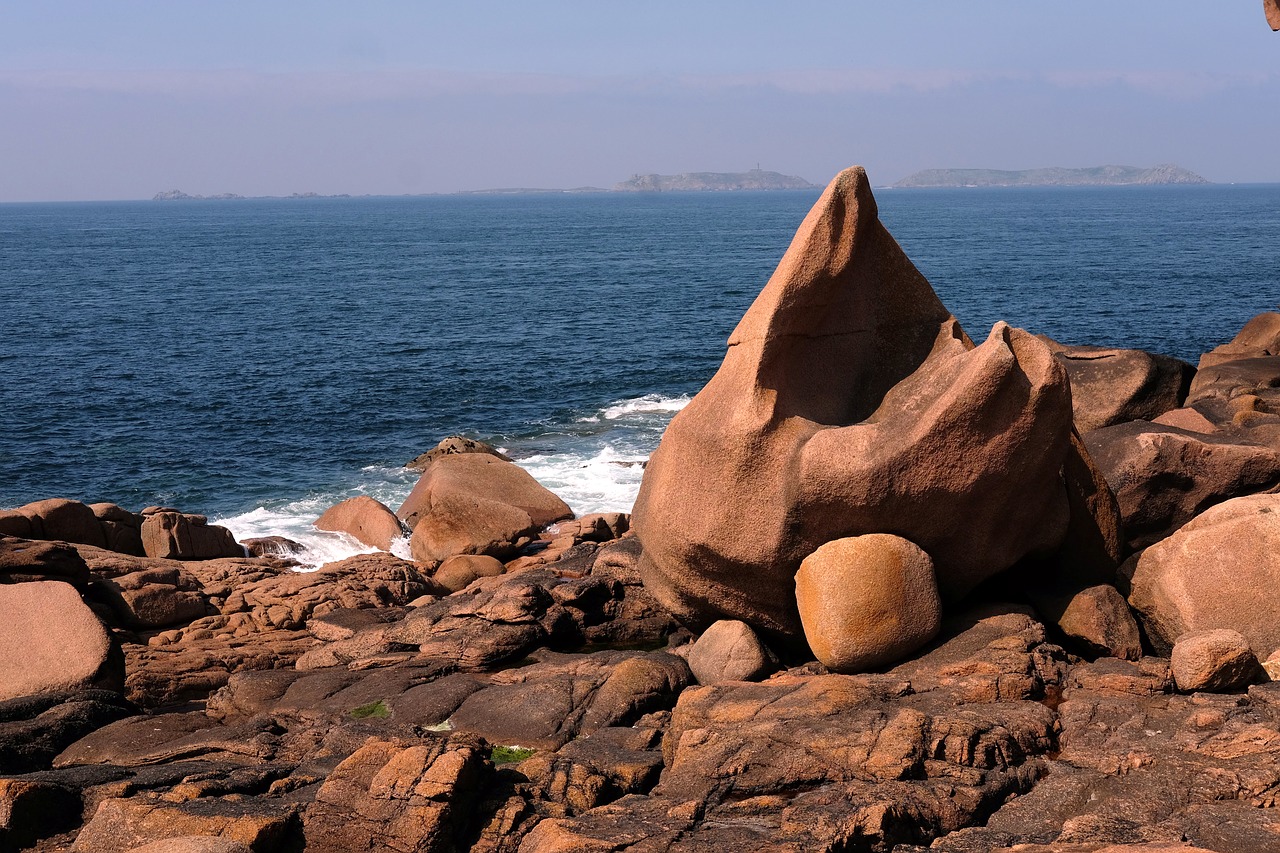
(259, 360)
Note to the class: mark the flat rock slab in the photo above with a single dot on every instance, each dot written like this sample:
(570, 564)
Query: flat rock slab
(119, 826)
(51, 642)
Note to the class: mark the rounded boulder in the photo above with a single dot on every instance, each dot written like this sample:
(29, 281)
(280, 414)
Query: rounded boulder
(50, 642)
(867, 601)
(1220, 570)
(730, 651)
(365, 519)
(1218, 660)
(459, 571)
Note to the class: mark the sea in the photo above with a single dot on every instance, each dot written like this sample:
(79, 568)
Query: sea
(257, 361)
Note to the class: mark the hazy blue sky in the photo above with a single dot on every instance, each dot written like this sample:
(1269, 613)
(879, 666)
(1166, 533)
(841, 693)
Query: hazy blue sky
(123, 99)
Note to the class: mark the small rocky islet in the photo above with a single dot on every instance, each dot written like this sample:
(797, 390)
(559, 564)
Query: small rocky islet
(885, 588)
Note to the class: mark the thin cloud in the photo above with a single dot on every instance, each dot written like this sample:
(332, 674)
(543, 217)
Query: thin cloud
(359, 86)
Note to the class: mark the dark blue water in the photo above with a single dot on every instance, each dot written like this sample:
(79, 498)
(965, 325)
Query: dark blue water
(222, 356)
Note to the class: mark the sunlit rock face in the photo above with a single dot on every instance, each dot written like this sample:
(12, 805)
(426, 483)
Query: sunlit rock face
(851, 402)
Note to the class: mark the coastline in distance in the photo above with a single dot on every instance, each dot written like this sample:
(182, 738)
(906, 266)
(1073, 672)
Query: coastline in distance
(1096, 176)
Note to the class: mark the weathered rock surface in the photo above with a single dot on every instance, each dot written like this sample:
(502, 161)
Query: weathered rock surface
(866, 601)
(1218, 571)
(122, 825)
(183, 536)
(51, 642)
(390, 795)
(365, 519)
(545, 705)
(24, 560)
(64, 520)
(1163, 476)
(1114, 386)
(34, 729)
(1214, 660)
(475, 503)
(261, 613)
(156, 598)
(730, 651)
(121, 529)
(845, 368)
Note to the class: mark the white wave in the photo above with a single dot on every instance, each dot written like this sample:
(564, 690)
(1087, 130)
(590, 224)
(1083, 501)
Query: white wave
(600, 472)
(649, 404)
(605, 482)
(295, 520)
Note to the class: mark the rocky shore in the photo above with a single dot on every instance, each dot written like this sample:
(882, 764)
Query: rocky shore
(884, 589)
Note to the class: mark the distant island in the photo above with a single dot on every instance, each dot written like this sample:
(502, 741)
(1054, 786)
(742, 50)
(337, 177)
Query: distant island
(179, 195)
(755, 179)
(1098, 176)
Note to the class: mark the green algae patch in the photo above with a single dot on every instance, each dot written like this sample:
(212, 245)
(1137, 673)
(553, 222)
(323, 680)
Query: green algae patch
(510, 754)
(374, 710)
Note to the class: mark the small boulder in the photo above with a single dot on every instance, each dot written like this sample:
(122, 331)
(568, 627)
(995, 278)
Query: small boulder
(1114, 386)
(866, 601)
(1221, 570)
(182, 536)
(452, 445)
(51, 642)
(272, 546)
(459, 571)
(730, 651)
(474, 503)
(365, 519)
(1097, 619)
(1216, 661)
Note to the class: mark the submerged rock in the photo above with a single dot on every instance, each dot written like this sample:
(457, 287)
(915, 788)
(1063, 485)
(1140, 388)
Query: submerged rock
(850, 402)
(451, 445)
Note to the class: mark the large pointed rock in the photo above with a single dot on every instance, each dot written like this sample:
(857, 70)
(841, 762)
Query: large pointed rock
(851, 402)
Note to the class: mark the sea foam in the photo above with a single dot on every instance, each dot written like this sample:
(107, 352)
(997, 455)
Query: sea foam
(594, 462)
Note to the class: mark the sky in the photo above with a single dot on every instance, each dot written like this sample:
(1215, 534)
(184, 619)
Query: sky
(125, 99)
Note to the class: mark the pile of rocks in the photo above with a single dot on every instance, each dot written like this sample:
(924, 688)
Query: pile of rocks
(884, 590)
